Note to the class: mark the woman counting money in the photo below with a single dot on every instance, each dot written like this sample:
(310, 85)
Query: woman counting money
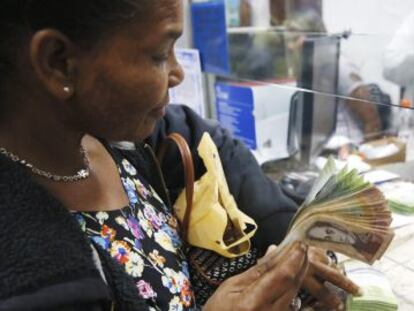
(82, 228)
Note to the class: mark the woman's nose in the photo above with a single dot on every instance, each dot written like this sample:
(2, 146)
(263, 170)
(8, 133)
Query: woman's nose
(176, 74)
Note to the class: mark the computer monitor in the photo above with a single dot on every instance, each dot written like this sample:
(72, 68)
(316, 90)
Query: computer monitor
(314, 108)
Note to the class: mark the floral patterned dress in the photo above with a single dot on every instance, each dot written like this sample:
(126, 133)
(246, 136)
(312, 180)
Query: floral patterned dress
(144, 238)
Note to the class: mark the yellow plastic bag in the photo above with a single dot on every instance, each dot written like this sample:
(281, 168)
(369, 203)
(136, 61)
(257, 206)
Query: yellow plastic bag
(215, 222)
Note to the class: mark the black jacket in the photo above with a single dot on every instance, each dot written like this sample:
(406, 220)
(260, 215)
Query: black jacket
(46, 262)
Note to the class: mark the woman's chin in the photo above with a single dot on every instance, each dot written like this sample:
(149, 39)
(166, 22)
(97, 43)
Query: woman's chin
(144, 133)
(158, 113)
(137, 134)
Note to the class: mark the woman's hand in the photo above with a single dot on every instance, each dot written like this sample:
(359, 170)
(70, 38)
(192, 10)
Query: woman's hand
(320, 270)
(270, 285)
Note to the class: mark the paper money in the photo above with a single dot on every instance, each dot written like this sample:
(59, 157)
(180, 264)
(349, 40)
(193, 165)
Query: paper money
(400, 195)
(377, 292)
(343, 213)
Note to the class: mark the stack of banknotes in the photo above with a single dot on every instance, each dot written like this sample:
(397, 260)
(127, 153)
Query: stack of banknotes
(377, 292)
(345, 214)
(400, 195)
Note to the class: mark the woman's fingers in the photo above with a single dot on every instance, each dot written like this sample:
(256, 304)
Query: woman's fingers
(270, 285)
(321, 270)
(323, 294)
(270, 250)
(284, 276)
(335, 277)
(263, 265)
(284, 303)
(318, 255)
(321, 267)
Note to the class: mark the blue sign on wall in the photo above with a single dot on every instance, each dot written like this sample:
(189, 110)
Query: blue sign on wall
(235, 107)
(210, 35)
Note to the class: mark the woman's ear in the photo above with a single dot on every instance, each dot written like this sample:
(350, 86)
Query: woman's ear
(53, 57)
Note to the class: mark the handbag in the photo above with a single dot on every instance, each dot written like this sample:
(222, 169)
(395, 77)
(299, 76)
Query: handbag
(216, 233)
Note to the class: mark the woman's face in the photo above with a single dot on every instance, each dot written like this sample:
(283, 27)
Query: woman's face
(122, 84)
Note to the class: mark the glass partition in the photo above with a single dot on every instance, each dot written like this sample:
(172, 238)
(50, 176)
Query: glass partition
(267, 41)
(355, 56)
(305, 79)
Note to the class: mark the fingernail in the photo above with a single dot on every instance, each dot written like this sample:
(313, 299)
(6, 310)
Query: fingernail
(270, 249)
(303, 246)
(341, 307)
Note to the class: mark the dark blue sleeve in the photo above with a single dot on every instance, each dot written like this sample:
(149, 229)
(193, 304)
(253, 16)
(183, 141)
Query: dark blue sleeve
(255, 193)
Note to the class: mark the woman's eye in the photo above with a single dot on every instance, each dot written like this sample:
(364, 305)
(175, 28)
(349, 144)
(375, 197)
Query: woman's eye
(160, 58)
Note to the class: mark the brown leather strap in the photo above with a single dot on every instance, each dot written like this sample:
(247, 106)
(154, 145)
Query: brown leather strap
(188, 164)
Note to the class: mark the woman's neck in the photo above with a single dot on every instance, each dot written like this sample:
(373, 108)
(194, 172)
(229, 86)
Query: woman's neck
(42, 141)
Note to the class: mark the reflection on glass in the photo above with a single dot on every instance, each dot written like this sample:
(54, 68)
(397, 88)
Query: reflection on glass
(258, 56)
(314, 113)
(375, 65)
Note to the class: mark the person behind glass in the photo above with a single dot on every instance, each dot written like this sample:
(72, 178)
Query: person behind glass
(358, 117)
(81, 227)
(399, 58)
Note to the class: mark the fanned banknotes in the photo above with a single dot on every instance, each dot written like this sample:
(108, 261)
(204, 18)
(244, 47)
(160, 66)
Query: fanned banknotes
(344, 213)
